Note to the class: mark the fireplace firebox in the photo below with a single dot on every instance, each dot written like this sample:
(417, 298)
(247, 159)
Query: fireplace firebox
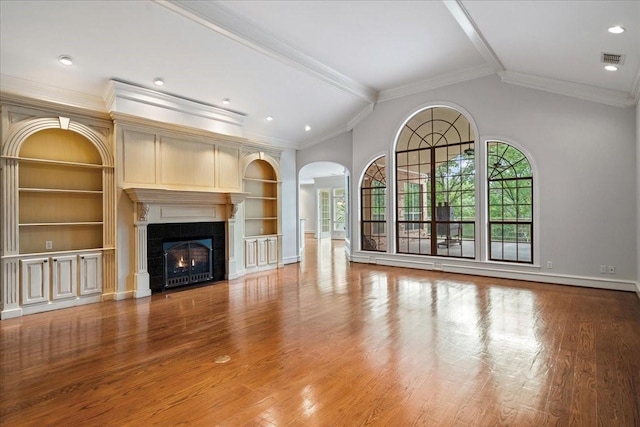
(187, 262)
(173, 234)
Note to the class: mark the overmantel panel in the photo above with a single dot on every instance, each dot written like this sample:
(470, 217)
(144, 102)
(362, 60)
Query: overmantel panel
(187, 163)
(167, 158)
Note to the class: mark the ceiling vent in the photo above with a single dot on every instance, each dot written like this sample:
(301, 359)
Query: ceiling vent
(612, 58)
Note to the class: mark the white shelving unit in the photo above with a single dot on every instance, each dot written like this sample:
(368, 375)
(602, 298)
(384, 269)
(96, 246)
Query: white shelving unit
(261, 221)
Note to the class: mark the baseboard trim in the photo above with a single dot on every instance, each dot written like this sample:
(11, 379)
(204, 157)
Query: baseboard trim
(118, 296)
(530, 274)
(291, 260)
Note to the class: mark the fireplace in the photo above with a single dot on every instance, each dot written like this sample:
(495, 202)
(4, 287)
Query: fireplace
(187, 262)
(182, 254)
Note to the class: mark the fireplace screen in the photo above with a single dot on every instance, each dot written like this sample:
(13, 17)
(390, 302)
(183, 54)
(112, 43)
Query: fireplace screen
(187, 262)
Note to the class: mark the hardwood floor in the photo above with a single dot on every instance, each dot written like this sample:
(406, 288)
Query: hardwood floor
(328, 343)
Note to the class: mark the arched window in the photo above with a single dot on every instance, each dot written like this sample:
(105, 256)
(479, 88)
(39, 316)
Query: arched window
(510, 185)
(373, 202)
(435, 184)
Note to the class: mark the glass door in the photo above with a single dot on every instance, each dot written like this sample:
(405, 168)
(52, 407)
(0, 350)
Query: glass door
(324, 213)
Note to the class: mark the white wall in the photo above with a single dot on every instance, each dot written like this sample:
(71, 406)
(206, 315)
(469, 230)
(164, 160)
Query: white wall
(586, 177)
(337, 149)
(638, 195)
(308, 207)
(288, 175)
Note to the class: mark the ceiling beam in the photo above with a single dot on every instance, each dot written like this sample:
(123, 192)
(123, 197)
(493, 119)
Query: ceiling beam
(228, 24)
(463, 18)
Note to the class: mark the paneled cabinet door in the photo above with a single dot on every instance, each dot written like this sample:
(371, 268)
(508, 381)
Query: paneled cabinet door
(90, 274)
(262, 252)
(272, 250)
(64, 279)
(250, 249)
(35, 280)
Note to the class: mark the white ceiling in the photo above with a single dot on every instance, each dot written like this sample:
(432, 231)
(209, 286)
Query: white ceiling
(319, 63)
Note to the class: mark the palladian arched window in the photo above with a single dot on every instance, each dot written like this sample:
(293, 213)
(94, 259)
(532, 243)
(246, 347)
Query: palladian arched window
(510, 185)
(373, 202)
(435, 185)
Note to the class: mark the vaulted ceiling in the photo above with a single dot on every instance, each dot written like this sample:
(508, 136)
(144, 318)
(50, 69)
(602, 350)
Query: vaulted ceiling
(321, 64)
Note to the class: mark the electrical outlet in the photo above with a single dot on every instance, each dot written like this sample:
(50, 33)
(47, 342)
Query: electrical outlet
(48, 244)
(549, 265)
(603, 269)
(612, 269)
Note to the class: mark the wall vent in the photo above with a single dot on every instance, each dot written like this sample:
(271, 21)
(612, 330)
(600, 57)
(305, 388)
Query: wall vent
(612, 58)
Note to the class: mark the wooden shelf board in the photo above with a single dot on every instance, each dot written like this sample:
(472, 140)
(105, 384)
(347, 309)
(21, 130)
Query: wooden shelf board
(269, 181)
(57, 162)
(58, 190)
(45, 224)
(261, 198)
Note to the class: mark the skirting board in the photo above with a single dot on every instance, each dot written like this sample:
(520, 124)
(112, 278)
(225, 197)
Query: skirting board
(494, 271)
(291, 260)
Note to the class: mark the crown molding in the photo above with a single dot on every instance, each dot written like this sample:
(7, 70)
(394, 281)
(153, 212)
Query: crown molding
(366, 111)
(51, 94)
(223, 21)
(576, 90)
(436, 82)
(323, 138)
(268, 143)
(472, 31)
(127, 99)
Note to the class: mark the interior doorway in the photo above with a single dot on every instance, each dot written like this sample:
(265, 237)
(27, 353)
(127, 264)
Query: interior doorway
(323, 195)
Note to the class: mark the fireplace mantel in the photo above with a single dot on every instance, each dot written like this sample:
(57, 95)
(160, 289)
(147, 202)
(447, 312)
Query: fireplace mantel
(184, 197)
(155, 205)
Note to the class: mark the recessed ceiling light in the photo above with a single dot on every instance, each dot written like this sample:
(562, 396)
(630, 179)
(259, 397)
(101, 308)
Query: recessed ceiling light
(226, 101)
(616, 29)
(269, 118)
(158, 81)
(307, 128)
(611, 68)
(65, 60)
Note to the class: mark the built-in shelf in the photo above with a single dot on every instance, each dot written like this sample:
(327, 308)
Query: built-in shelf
(60, 193)
(56, 162)
(58, 224)
(59, 190)
(261, 225)
(271, 181)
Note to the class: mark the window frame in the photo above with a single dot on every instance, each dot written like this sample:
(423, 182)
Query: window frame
(373, 207)
(503, 175)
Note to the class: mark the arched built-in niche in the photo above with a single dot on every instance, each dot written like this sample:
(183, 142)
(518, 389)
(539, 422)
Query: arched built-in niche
(58, 218)
(262, 212)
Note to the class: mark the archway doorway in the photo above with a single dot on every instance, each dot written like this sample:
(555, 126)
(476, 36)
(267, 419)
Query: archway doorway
(323, 202)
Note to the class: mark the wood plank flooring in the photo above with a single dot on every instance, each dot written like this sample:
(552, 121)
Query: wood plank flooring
(328, 343)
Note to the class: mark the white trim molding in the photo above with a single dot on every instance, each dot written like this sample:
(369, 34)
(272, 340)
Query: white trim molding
(576, 90)
(437, 82)
(126, 99)
(48, 93)
(515, 272)
(472, 31)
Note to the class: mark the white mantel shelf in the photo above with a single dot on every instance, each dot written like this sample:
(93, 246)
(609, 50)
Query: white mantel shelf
(184, 197)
